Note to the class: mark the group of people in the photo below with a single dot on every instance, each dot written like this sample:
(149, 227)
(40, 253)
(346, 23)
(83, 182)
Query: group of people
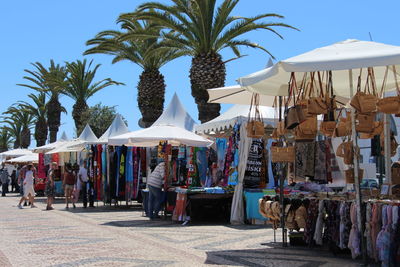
(75, 180)
(6, 178)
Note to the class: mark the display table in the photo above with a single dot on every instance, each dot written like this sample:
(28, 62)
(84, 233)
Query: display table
(209, 207)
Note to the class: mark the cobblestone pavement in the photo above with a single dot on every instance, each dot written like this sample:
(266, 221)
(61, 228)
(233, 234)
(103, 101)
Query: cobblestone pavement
(109, 236)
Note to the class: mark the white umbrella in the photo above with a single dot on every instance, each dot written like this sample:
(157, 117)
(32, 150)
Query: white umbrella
(48, 147)
(236, 95)
(152, 136)
(34, 158)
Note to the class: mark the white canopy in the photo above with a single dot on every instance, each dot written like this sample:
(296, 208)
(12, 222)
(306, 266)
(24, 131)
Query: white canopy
(236, 95)
(16, 152)
(33, 157)
(175, 126)
(236, 114)
(338, 57)
(117, 127)
(48, 147)
(86, 137)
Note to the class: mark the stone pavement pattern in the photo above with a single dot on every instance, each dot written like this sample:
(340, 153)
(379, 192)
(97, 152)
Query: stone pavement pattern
(109, 236)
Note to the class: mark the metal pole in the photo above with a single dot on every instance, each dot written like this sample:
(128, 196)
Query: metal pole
(281, 200)
(386, 132)
(356, 173)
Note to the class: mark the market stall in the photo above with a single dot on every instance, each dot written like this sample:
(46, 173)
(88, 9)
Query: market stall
(339, 69)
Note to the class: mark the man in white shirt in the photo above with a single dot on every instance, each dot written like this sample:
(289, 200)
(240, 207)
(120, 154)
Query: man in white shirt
(81, 183)
(154, 183)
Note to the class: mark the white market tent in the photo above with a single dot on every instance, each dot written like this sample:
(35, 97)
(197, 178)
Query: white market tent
(237, 114)
(48, 147)
(174, 125)
(236, 95)
(33, 157)
(117, 127)
(15, 153)
(76, 145)
(339, 57)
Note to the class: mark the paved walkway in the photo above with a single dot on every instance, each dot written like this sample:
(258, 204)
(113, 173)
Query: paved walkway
(109, 236)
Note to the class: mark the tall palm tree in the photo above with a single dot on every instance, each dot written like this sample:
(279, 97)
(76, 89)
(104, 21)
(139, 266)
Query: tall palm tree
(38, 110)
(200, 29)
(5, 139)
(80, 86)
(19, 122)
(151, 86)
(47, 80)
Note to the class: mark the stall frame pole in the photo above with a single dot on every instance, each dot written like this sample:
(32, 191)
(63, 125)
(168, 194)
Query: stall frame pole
(357, 179)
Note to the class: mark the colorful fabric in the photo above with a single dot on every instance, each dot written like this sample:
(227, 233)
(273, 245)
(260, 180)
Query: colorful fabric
(252, 206)
(129, 175)
(320, 174)
(305, 153)
(41, 168)
(221, 150)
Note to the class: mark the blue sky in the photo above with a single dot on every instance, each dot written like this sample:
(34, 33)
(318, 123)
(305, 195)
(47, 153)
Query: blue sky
(46, 29)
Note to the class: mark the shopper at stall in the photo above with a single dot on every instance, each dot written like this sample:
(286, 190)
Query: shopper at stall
(154, 183)
(50, 188)
(14, 182)
(81, 184)
(4, 181)
(28, 174)
(68, 183)
(20, 181)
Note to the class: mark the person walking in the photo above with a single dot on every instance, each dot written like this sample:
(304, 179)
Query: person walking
(81, 184)
(50, 188)
(4, 181)
(68, 183)
(14, 183)
(28, 174)
(154, 183)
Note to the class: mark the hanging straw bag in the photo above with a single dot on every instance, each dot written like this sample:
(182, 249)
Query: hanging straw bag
(307, 130)
(391, 104)
(327, 128)
(255, 127)
(393, 145)
(282, 154)
(366, 102)
(377, 130)
(346, 151)
(317, 105)
(365, 123)
(350, 175)
(343, 126)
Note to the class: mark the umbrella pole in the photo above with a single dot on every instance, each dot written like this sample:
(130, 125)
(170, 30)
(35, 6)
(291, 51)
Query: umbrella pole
(356, 172)
(386, 132)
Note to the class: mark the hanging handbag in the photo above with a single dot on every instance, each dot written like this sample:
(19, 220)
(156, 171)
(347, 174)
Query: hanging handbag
(343, 126)
(282, 154)
(346, 151)
(317, 105)
(365, 123)
(350, 175)
(391, 104)
(327, 128)
(365, 102)
(393, 145)
(255, 127)
(377, 130)
(293, 115)
(307, 130)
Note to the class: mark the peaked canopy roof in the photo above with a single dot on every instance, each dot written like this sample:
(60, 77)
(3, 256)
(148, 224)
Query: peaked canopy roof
(175, 126)
(117, 127)
(48, 147)
(176, 115)
(236, 114)
(86, 137)
(339, 57)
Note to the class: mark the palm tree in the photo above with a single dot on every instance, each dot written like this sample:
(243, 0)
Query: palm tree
(200, 29)
(48, 80)
(19, 123)
(151, 86)
(5, 139)
(38, 111)
(80, 86)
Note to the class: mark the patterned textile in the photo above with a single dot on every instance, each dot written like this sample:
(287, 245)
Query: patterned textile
(129, 174)
(383, 239)
(354, 238)
(312, 215)
(320, 222)
(304, 160)
(345, 224)
(221, 149)
(375, 226)
(367, 232)
(320, 174)
(179, 213)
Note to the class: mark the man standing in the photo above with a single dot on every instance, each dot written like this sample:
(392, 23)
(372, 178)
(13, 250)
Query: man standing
(154, 183)
(81, 184)
(28, 174)
(4, 181)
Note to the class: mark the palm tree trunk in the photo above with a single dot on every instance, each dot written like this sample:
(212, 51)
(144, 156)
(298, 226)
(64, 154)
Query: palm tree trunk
(53, 117)
(151, 91)
(41, 132)
(25, 138)
(207, 71)
(78, 109)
